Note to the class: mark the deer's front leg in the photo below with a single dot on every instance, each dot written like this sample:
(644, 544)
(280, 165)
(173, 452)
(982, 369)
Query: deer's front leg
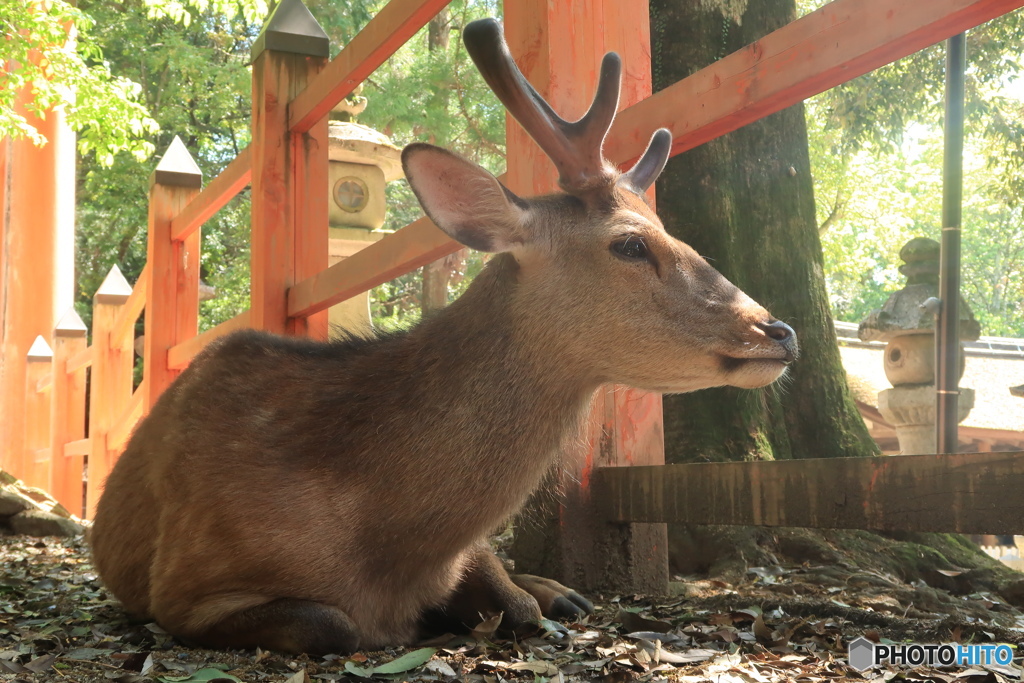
(486, 589)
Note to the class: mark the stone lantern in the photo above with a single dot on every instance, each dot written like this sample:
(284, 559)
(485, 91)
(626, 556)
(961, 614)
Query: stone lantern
(362, 161)
(908, 327)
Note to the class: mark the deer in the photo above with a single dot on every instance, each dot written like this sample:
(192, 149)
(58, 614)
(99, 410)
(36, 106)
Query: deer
(329, 496)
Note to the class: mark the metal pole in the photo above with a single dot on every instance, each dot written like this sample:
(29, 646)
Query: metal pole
(947, 329)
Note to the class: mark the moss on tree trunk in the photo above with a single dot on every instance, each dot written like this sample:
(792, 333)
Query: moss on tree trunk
(745, 201)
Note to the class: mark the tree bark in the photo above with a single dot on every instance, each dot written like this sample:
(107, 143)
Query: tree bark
(745, 201)
(436, 277)
(439, 31)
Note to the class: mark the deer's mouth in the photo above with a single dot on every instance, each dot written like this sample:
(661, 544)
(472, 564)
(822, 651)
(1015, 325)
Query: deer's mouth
(734, 363)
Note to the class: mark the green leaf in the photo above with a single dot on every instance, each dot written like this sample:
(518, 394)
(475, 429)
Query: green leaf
(407, 662)
(357, 670)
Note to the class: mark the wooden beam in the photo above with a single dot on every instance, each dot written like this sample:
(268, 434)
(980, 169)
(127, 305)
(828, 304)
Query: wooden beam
(125, 323)
(181, 355)
(280, 243)
(36, 428)
(80, 447)
(67, 414)
(110, 384)
(396, 23)
(832, 45)
(963, 492)
(310, 205)
(29, 227)
(221, 190)
(172, 297)
(126, 422)
(559, 47)
(81, 360)
(415, 245)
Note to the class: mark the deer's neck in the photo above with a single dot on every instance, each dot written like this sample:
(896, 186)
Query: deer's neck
(486, 408)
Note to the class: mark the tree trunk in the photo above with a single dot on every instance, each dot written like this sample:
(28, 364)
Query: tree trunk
(745, 201)
(436, 277)
(439, 31)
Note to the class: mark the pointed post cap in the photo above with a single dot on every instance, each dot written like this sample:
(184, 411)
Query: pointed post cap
(40, 350)
(70, 325)
(291, 28)
(177, 168)
(114, 290)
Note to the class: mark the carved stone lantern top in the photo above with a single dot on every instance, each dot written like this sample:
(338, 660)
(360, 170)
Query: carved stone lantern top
(359, 144)
(902, 313)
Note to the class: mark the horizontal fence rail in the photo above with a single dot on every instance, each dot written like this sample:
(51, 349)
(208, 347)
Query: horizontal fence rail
(976, 493)
(125, 324)
(823, 49)
(181, 355)
(417, 244)
(390, 29)
(221, 190)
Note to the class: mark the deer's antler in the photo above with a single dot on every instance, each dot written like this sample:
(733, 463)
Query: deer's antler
(575, 148)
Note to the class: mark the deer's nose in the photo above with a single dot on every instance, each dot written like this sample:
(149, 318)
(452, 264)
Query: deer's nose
(784, 335)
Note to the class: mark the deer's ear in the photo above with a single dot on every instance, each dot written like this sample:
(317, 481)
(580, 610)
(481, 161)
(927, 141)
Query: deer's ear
(465, 200)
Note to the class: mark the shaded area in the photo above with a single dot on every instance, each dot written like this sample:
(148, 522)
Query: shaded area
(772, 622)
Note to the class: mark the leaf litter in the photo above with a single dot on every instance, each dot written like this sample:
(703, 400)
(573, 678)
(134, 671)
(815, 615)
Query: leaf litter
(58, 624)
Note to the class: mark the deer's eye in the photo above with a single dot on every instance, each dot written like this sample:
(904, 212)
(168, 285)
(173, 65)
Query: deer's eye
(632, 247)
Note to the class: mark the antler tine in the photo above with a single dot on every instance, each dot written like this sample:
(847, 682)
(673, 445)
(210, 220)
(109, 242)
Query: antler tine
(575, 148)
(651, 163)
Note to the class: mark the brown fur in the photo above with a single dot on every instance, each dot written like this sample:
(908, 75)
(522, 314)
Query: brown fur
(313, 496)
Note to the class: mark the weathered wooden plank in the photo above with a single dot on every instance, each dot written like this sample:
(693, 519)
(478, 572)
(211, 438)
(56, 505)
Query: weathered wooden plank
(125, 323)
(126, 422)
(81, 360)
(221, 190)
(962, 492)
(181, 355)
(389, 29)
(836, 43)
(415, 245)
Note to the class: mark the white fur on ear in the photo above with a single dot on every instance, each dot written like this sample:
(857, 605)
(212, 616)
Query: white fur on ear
(464, 199)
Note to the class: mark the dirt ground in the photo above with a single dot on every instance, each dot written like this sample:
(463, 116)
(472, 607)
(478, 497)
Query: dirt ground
(779, 622)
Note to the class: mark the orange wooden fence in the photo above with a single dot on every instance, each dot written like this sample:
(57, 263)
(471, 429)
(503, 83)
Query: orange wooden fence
(558, 46)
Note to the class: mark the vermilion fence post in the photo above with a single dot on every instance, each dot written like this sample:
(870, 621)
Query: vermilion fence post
(172, 295)
(559, 47)
(36, 459)
(67, 413)
(111, 380)
(289, 171)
